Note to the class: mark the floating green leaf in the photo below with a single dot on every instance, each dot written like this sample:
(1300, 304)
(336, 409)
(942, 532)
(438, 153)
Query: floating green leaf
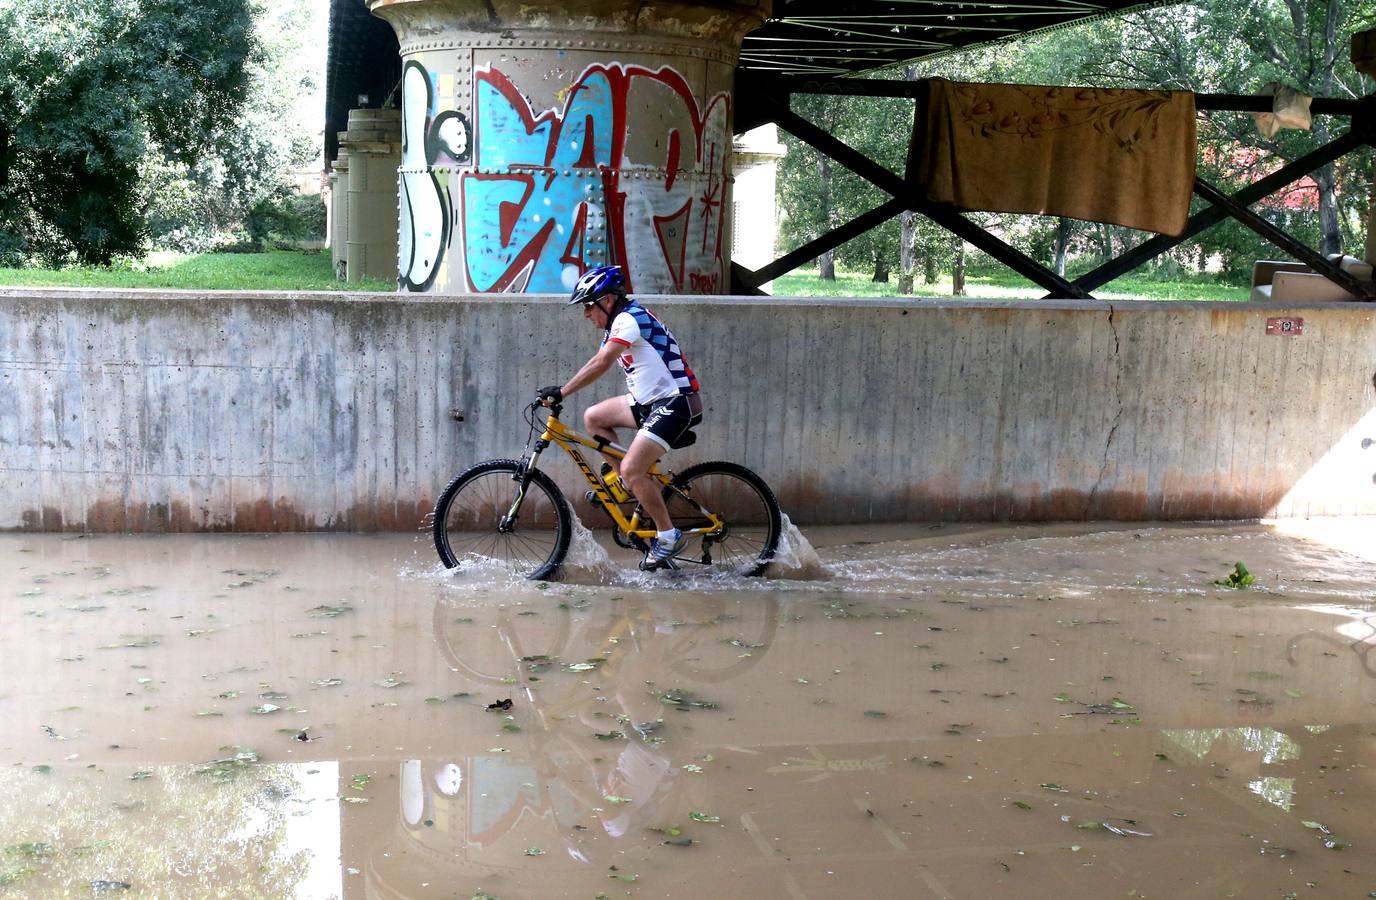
(1021, 805)
(685, 700)
(703, 817)
(1239, 578)
(265, 709)
(876, 714)
(328, 612)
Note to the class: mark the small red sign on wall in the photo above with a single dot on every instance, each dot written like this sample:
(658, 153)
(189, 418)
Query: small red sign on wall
(1280, 325)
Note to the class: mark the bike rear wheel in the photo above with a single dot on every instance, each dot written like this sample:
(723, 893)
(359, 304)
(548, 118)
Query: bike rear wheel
(738, 497)
(470, 509)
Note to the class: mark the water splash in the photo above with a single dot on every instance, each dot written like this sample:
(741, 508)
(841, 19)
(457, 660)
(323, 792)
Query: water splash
(587, 558)
(796, 559)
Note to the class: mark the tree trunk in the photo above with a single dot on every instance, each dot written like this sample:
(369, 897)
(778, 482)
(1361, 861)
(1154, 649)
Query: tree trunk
(1330, 233)
(1105, 240)
(929, 271)
(1062, 245)
(826, 263)
(906, 263)
(4, 160)
(958, 268)
(881, 270)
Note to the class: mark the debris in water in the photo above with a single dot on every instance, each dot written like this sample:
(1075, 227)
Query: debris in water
(501, 704)
(1239, 578)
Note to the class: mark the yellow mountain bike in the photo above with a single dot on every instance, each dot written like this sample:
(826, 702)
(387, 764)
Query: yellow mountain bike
(511, 511)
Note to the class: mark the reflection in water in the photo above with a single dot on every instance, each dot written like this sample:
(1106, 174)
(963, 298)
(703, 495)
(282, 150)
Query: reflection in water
(1272, 745)
(962, 712)
(1276, 791)
(171, 830)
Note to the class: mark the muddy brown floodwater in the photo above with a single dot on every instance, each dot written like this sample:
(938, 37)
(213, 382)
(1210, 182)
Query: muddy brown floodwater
(904, 711)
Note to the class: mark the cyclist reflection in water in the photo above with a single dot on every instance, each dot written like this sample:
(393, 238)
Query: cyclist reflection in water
(663, 401)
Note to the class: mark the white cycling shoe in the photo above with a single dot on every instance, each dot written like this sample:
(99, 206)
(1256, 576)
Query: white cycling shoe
(662, 553)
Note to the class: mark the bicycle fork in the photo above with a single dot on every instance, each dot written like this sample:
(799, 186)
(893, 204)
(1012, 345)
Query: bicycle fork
(522, 478)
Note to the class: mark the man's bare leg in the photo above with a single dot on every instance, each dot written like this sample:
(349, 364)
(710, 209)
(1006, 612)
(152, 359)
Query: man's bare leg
(604, 417)
(635, 473)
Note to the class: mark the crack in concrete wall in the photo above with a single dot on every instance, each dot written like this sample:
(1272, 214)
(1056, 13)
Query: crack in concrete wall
(1117, 416)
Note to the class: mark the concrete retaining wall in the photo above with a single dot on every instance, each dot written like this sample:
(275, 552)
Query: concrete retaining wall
(132, 410)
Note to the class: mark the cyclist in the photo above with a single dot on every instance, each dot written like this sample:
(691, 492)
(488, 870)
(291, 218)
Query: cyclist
(663, 402)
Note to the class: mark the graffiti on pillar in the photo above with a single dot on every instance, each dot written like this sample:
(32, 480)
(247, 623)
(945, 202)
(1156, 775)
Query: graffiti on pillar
(631, 168)
(423, 223)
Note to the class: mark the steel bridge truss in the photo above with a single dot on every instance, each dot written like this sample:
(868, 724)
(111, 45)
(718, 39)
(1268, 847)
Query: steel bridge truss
(765, 98)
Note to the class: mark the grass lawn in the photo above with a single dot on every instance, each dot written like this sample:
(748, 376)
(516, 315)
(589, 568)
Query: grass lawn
(1003, 286)
(287, 270)
(272, 270)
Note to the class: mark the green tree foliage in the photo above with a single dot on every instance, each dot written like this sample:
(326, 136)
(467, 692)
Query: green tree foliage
(86, 89)
(194, 205)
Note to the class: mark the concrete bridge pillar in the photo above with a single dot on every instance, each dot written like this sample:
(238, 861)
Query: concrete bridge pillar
(370, 199)
(755, 163)
(339, 211)
(542, 138)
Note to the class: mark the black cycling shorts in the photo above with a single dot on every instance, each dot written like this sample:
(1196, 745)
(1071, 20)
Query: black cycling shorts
(665, 421)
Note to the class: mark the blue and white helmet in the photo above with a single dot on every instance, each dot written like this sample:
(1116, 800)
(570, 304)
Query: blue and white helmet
(596, 283)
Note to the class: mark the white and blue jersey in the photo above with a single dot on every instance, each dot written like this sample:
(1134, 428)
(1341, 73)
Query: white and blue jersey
(654, 365)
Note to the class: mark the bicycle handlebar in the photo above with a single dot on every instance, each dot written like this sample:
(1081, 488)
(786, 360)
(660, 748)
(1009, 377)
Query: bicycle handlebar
(554, 408)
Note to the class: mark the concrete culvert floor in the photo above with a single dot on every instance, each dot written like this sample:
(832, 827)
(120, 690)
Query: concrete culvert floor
(904, 711)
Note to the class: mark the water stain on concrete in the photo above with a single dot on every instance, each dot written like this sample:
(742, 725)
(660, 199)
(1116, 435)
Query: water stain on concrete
(958, 711)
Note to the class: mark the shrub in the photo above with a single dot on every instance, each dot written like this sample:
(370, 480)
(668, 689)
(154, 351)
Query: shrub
(293, 217)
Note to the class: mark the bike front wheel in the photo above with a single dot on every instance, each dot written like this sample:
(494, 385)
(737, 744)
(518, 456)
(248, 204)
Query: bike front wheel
(468, 520)
(745, 504)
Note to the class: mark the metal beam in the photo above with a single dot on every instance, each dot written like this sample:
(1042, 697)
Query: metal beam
(866, 87)
(816, 247)
(741, 283)
(944, 215)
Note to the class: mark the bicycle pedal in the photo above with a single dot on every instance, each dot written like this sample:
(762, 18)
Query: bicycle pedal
(650, 565)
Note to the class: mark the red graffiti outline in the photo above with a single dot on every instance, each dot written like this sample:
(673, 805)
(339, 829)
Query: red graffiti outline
(579, 234)
(533, 249)
(684, 212)
(620, 78)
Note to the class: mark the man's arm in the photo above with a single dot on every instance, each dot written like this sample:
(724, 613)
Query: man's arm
(594, 368)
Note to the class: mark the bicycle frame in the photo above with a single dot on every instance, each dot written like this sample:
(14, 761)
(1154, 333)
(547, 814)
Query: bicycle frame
(568, 440)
